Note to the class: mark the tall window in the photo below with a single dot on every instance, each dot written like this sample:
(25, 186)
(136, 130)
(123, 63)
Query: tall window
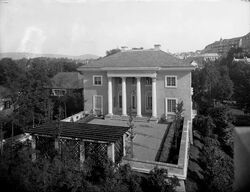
(148, 81)
(97, 80)
(171, 105)
(119, 81)
(7, 104)
(120, 100)
(98, 104)
(148, 101)
(133, 101)
(133, 80)
(170, 81)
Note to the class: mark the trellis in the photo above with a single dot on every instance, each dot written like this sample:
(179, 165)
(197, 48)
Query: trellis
(45, 146)
(118, 150)
(97, 148)
(69, 149)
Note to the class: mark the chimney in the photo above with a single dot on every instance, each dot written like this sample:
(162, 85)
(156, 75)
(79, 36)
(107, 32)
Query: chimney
(124, 48)
(157, 47)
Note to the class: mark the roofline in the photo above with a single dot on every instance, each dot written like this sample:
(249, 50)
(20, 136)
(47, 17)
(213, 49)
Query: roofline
(178, 68)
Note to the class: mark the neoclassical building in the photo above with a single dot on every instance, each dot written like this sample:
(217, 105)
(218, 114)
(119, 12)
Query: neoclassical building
(148, 83)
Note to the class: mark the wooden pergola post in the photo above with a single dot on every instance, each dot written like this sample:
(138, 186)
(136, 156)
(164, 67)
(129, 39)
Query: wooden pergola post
(82, 153)
(33, 146)
(57, 145)
(111, 151)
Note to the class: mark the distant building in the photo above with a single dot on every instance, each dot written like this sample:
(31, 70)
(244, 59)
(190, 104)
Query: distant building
(69, 84)
(245, 60)
(64, 82)
(224, 45)
(210, 56)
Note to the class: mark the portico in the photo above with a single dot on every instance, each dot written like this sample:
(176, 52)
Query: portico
(124, 94)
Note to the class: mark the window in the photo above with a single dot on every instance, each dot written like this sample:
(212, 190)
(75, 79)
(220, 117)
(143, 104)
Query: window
(171, 105)
(97, 80)
(133, 81)
(119, 81)
(58, 92)
(148, 101)
(7, 104)
(170, 81)
(133, 101)
(98, 104)
(120, 100)
(148, 81)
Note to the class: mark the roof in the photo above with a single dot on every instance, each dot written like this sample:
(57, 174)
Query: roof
(67, 80)
(137, 58)
(105, 133)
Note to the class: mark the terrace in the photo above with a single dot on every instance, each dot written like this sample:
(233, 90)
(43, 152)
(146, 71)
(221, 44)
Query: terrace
(152, 142)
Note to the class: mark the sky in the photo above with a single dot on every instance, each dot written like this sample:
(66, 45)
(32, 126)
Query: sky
(77, 27)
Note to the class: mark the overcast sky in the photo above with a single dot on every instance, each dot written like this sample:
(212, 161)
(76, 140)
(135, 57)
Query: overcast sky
(76, 27)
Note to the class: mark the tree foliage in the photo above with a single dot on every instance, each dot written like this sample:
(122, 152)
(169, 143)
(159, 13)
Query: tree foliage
(112, 51)
(19, 173)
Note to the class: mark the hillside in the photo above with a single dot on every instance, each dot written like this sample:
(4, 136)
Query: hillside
(20, 55)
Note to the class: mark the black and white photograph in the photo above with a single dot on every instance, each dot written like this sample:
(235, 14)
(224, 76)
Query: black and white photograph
(125, 95)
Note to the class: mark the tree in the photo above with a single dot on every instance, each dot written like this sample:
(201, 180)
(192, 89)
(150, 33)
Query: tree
(178, 122)
(218, 168)
(131, 132)
(112, 51)
(32, 99)
(159, 181)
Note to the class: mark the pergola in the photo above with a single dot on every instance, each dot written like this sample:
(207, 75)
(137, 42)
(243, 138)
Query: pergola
(81, 137)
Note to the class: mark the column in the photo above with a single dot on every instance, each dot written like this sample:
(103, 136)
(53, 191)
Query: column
(124, 97)
(124, 144)
(154, 107)
(110, 96)
(33, 146)
(111, 151)
(138, 91)
(82, 153)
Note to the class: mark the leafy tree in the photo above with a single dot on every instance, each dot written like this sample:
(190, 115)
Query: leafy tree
(158, 181)
(204, 125)
(33, 97)
(218, 168)
(240, 75)
(112, 51)
(178, 122)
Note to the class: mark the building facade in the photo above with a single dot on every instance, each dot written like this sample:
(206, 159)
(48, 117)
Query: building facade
(147, 83)
(224, 45)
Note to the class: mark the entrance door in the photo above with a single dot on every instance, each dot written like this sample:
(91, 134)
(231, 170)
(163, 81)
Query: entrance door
(98, 104)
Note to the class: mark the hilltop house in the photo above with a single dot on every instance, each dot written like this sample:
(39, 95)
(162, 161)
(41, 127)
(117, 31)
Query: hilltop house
(147, 82)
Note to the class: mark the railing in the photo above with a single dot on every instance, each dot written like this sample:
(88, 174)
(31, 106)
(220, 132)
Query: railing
(179, 170)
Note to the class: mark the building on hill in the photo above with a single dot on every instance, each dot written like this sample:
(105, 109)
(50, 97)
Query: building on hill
(145, 83)
(224, 45)
(148, 82)
(64, 82)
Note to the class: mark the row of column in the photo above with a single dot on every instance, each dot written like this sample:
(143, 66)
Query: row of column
(124, 97)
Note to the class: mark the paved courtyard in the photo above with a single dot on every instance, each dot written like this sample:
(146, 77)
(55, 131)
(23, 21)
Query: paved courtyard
(148, 137)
